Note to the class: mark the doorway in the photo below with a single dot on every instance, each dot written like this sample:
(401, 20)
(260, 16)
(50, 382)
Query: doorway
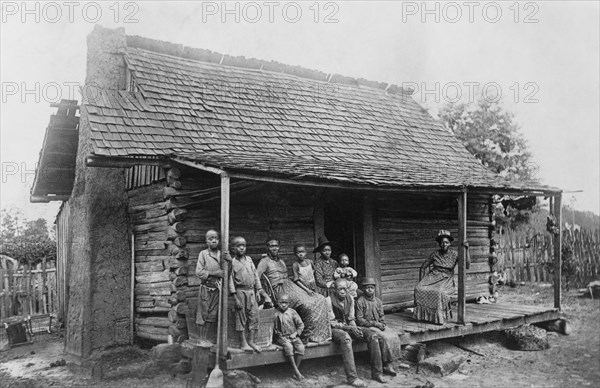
(343, 221)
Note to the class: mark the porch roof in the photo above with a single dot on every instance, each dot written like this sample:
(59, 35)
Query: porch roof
(266, 119)
(55, 171)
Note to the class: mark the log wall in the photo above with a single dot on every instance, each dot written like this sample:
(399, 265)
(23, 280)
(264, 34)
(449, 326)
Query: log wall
(407, 227)
(152, 271)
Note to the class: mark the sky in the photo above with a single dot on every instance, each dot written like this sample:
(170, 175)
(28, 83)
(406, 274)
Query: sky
(542, 57)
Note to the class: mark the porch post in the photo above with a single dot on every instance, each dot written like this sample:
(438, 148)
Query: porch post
(462, 254)
(319, 220)
(225, 264)
(557, 243)
(372, 260)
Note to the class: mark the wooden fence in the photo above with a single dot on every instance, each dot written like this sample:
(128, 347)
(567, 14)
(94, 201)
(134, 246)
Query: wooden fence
(28, 291)
(526, 258)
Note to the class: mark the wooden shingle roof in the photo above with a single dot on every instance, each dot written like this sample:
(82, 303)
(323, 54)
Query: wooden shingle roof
(278, 124)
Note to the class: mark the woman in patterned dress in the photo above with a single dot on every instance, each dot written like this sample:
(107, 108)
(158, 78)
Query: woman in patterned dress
(432, 294)
(312, 309)
(324, 268)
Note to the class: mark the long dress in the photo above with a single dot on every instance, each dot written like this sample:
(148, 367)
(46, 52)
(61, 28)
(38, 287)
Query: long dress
(324, 270)
(432, 294)
(312, 309)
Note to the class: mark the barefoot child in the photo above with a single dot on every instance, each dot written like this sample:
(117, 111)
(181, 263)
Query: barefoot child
(370, 319)
(304, 275)
(208, 269)
(344, 271)
(243, 283)
(288, 327)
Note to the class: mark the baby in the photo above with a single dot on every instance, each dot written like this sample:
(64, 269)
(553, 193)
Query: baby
(347, 273)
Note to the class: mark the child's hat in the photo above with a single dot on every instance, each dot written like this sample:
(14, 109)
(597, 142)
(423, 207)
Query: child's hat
(369, 282)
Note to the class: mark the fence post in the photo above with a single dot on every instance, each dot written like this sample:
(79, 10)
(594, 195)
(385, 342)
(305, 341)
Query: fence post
(44, 289)
(3, 313)
(557, 240)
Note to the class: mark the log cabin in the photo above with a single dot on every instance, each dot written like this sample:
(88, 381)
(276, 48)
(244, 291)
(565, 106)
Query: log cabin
(170, 141)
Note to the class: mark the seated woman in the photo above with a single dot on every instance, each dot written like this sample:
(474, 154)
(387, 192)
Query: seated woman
(432, 294)
(325, 267)
(312, 309)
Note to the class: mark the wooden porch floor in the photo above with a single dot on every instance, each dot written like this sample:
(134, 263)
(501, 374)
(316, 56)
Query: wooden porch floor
(480, 318)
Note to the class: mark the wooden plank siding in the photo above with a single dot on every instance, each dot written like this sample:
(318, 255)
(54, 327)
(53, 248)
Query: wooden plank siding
(283, 212)
(408, 224)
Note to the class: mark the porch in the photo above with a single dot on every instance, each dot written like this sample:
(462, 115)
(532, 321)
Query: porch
(480, 318)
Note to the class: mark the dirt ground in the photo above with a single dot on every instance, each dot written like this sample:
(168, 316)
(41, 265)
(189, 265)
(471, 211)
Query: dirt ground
(571, 361)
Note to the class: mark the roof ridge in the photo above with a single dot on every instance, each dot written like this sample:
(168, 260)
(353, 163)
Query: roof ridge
(205, 55)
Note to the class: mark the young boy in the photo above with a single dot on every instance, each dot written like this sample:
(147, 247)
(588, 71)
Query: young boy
(344, 271)
(208, 269)
(304, 275)
(288, 327)
(370, 318)
(243, 283)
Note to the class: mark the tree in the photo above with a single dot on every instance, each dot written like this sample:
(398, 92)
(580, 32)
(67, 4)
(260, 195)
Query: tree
(25, 241)
(491, 134)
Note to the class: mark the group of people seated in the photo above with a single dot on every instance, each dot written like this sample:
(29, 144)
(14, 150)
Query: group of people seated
(319, 304)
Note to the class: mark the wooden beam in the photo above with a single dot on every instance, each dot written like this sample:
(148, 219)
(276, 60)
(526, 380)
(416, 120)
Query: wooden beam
(267, 357)
(549, 192)
(132, 292)
(469, 328)
(319, 219)
(400, 189)
(200, 166)
(372, 260)
(48, 198)
(225, 204)
(124, 162)
(462, 254)
(557, 243)
(333, 184)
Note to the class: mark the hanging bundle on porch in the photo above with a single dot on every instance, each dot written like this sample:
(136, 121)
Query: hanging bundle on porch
(551, 225)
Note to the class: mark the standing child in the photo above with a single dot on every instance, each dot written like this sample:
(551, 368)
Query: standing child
(304, 275)
(243, 283)
(208, 269)
(288, 327)
(344, 271)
